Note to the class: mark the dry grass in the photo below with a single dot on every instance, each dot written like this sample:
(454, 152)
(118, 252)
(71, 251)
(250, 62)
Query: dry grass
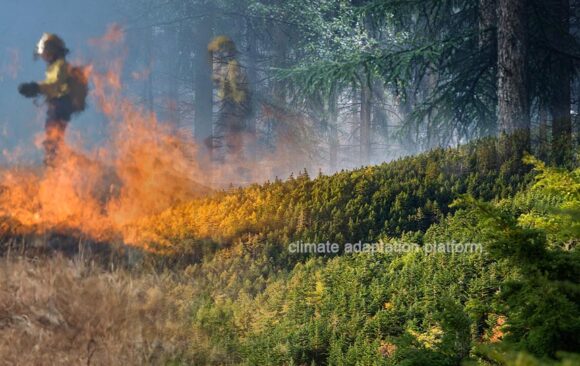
(56, 311)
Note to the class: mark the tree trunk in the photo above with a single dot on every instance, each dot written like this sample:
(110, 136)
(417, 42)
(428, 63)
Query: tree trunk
(365, 121)
(405, 108)
(280, 59)
(203, 103)
(333, 130)
(576, 120)
(252, 87)
(543, 133)
(513, 107)
(561, 77)
(380, 117)
(487, 14)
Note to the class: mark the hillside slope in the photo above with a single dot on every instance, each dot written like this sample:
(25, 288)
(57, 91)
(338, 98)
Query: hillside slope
(238, 296)
(518, 299)
(406, 195)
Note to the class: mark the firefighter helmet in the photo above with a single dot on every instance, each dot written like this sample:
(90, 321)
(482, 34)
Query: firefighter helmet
(222, 46)
(51, 44)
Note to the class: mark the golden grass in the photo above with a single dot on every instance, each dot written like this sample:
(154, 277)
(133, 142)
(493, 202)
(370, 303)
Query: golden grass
(56, 311)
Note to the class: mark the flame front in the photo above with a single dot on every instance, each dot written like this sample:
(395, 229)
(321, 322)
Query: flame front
(143, 169)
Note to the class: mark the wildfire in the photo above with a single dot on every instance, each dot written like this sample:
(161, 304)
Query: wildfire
(143, 169)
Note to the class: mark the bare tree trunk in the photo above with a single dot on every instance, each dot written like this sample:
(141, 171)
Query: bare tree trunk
(576, 120)
(203, 103)
(280, 60)
(333, 130)
(561, 77)
(379, 114)
(487, 14)
(365, 121)
(405, 108)
(543, 133)
(253, 82)
(429, 84)
(513, 107)
(487, 17)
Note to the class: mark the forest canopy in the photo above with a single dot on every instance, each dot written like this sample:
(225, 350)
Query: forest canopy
(348, 83)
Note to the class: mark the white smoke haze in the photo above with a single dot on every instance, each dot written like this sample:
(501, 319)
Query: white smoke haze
(143, 167)
(129, 155)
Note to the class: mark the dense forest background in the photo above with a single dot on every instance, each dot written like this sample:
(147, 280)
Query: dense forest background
(334, 84)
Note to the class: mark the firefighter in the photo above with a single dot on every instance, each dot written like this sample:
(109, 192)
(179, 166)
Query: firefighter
(233, 93)
(56, 89)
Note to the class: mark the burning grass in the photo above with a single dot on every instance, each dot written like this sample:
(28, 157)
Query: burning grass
(144, 168)
(115, 192)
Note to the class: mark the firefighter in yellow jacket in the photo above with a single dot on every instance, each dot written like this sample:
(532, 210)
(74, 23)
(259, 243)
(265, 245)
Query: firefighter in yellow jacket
(233, 93)
(56, 90)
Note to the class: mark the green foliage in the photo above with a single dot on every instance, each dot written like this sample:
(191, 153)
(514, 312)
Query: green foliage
(404, 45)
(504, 356)
(516, 303)
(406, 195)
(541, 295)
(554, 204)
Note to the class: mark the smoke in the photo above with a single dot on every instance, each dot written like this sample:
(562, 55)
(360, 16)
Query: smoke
(143, 168)
(11, 66)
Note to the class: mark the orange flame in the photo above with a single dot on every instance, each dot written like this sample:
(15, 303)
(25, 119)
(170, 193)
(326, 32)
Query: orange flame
(144, 169)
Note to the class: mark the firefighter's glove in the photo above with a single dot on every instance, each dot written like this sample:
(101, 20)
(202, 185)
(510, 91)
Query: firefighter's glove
(29, 90)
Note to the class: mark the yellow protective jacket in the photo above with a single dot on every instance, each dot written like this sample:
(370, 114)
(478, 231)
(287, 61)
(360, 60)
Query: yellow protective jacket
(56, 84)
(233, 83)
